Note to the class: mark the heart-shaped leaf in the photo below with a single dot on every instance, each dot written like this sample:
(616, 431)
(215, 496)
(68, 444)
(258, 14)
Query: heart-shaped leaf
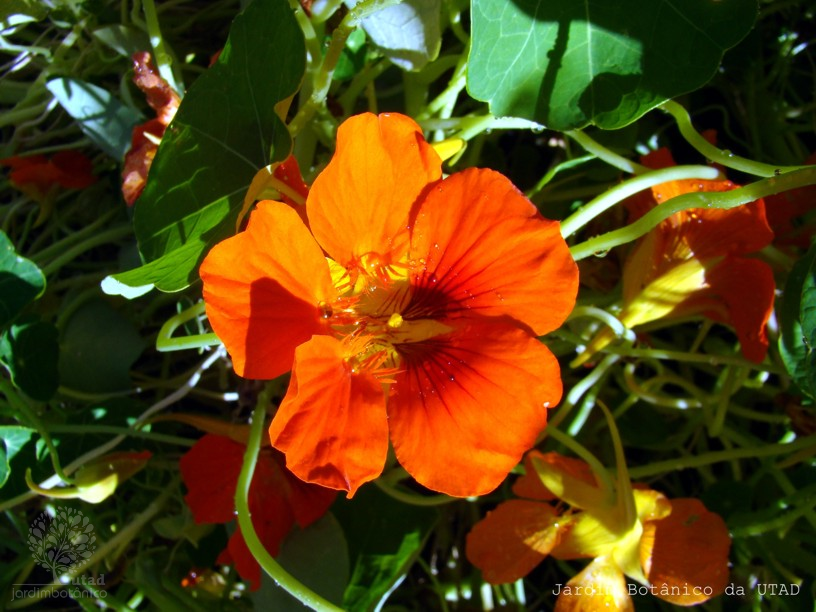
(566, 64)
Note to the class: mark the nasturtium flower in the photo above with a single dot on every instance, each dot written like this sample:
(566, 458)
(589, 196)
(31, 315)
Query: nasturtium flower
(675, 549)
(146, 136)
(694, 264)
(37, 175)
(277, 500)
(408, 307)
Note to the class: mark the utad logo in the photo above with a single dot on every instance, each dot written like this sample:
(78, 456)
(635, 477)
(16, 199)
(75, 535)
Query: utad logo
(63, 542)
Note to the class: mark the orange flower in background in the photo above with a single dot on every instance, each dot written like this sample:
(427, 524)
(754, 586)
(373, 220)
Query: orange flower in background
(407, 308)
(675, 549)
(37, 175)
(277, 500)
(147, 136)
(693, 264)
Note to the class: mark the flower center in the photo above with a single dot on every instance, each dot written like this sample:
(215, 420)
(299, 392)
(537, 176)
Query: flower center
(368, 314)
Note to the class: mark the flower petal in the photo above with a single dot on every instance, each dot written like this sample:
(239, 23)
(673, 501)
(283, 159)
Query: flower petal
(685, 555)
(362, 201)
(599, 586)
(263, 288)
(746, 288)
(489, 252)
(469, 403)
(512, 539)
(331, 425)
(210, 472)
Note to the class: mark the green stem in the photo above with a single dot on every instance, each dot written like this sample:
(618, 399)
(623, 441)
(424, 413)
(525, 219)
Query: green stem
(122, 537)
(164, 62)
(696, 461)
(411, 498)
(701, 199)
(110, 235)
(718, 156)
(165, 342)
(31, 417)
(618, 193)
(598, 468)
(323, 77)
(601, 152)
(303, 594)
(100, 450)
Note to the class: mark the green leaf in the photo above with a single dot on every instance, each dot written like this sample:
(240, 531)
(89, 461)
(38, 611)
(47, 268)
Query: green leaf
(102, 117)
(384, 536)
(566, 64)
(17, 12)
(99, 345)
(225, 131)
(21, 282)
(797, 322)
(14, 438)
(318, 557)
(406, 33)
(124, 40)
(30, 351)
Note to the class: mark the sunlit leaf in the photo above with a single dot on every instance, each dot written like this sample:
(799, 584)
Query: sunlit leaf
(566, 64)
(406, 33)
(101, 116)
(226, 129)
(14, 437)
(21, 282)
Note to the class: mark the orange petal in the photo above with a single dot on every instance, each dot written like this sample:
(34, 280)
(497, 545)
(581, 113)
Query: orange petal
(685, 555)
(512, 539)
(600, 586)
(362, 201)
(262, 290)
(331, 425)
(568, 476)
(489, 252)
(468, 404)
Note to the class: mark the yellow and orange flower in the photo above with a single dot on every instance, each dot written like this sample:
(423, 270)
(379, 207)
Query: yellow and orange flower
(675, 549)
(694, 264)
(408, 307)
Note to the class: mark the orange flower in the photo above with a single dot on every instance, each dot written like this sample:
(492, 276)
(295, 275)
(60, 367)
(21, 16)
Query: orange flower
(277, 500)
(790, 214)
(692, 264)
(409, 305)
(37, 175)
(676, 549)
(147, 136)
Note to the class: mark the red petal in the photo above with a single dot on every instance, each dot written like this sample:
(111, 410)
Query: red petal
(361, 202)
(210, 472)
(468, 405)
(686, 553)
(331, 425)
(488, 251)
(263, 288)
(512, 539)
(740, 293)
(160, 96)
